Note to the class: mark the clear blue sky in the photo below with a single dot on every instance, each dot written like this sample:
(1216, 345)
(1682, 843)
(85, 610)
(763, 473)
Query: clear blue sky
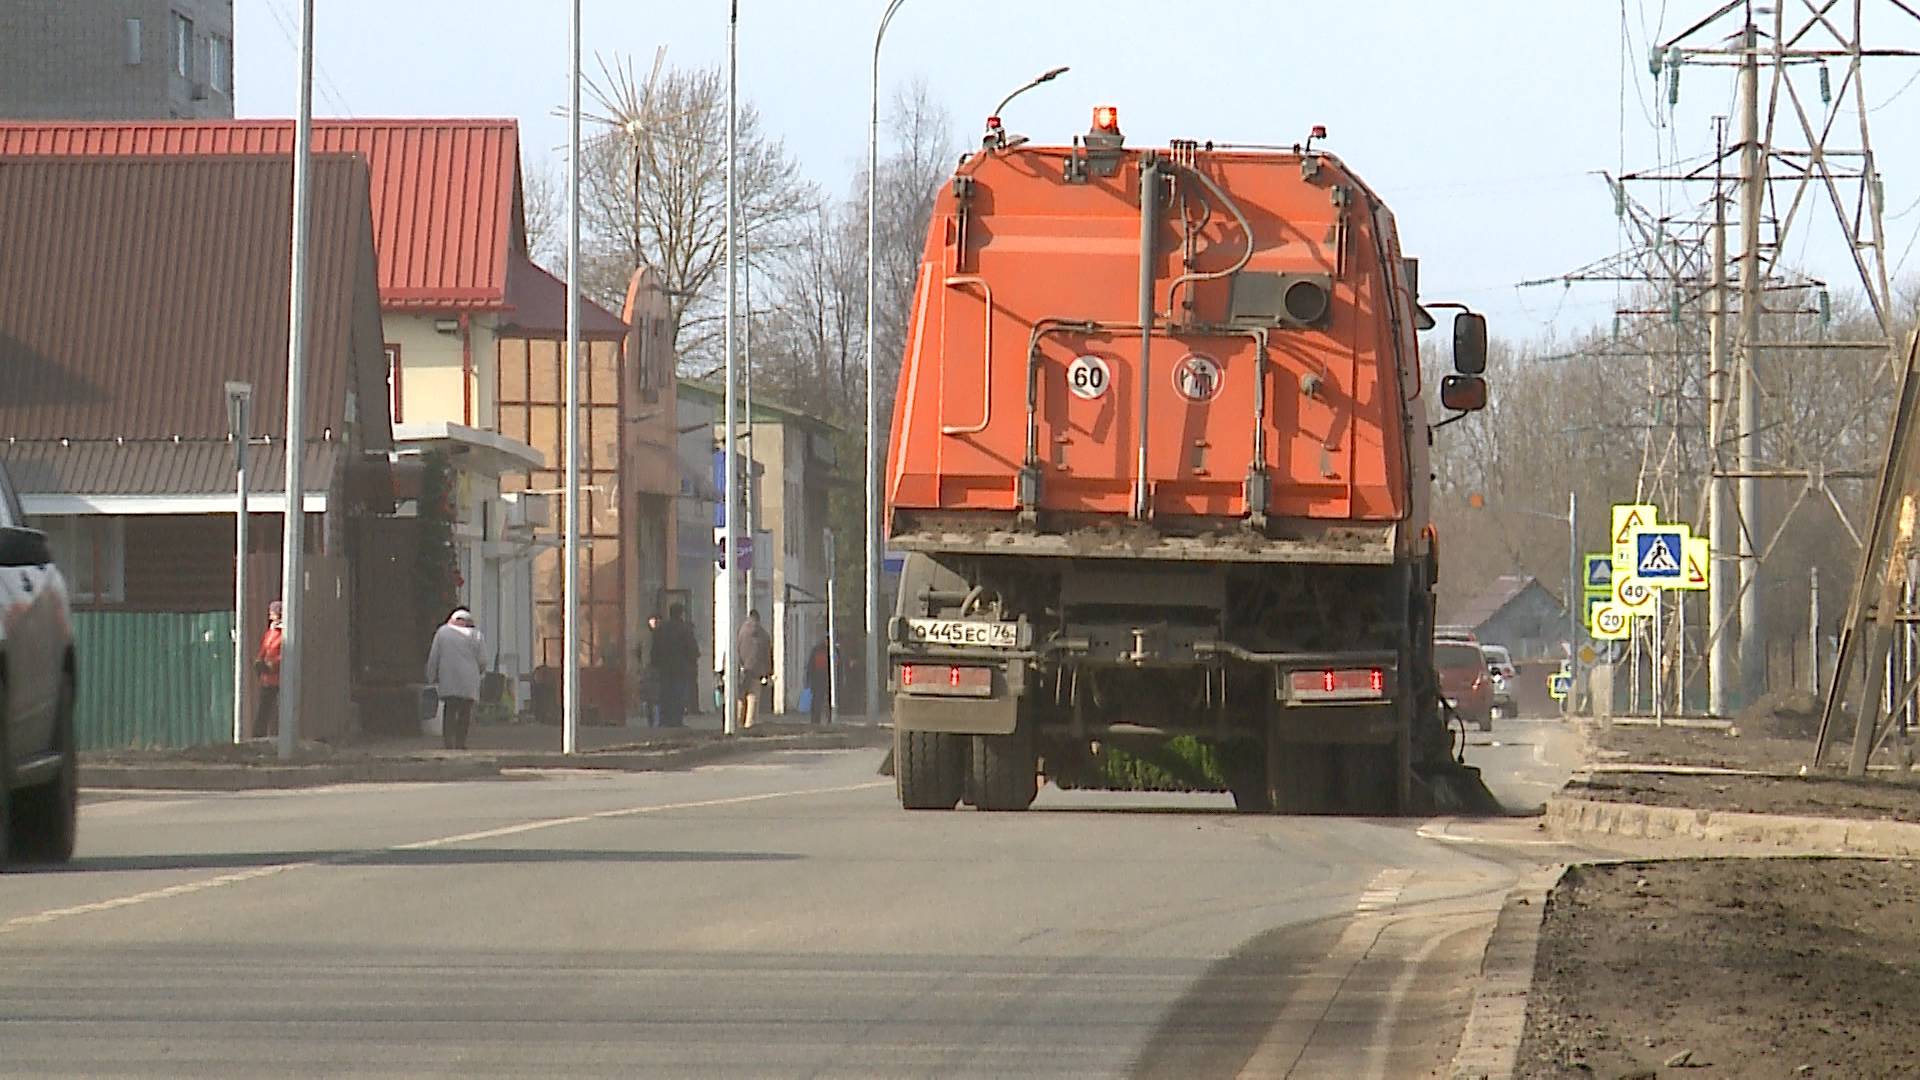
(1481, 123)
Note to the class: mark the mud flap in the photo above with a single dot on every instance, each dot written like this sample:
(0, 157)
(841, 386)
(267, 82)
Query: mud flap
(1453, 788)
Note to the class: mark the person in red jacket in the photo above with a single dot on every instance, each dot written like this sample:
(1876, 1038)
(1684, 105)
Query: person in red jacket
(266, 666)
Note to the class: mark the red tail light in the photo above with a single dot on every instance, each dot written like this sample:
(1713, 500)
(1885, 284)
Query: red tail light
(1338, 684)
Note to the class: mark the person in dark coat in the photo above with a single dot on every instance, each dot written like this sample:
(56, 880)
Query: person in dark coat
(753, 650)
(819, 682)
(676, 656)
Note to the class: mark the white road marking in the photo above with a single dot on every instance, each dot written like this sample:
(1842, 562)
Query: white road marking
(42, 918)
(1292, 1032)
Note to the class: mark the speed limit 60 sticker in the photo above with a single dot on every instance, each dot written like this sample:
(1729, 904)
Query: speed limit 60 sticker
(1088, 377)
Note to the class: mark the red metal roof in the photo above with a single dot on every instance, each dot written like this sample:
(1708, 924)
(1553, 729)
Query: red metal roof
(447, 216)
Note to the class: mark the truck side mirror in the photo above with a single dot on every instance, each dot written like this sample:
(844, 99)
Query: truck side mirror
(1463, 393)
(1470, 343)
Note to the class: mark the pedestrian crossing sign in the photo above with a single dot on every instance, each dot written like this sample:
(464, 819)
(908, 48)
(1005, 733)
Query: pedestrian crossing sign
(1559, 685)
(1696, 573)
(1600, 573)
(1660, 554)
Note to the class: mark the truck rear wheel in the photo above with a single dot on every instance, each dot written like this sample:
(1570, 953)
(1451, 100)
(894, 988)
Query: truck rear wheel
(1006, 771)
(928, 769)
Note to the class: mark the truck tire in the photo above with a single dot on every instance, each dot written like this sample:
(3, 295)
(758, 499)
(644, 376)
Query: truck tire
(46, 816)
(1006, 771)
(1247, 780)
(927, 769)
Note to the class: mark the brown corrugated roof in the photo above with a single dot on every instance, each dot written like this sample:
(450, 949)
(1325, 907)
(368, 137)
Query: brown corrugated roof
(160, 467)
(445, 193)
(132, 289)
(1476, 609)
(540, 307)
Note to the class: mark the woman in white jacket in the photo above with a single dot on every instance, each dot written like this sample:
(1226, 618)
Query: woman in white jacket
(454, 665)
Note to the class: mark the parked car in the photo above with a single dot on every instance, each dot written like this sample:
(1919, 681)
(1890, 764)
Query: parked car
(39, 781)
(1500, 668)
(1465, 682)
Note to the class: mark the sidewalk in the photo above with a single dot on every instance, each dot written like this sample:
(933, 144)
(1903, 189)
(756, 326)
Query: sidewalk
(494, 751)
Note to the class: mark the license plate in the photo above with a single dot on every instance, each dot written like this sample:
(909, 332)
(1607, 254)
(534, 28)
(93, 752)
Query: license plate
(964, 632)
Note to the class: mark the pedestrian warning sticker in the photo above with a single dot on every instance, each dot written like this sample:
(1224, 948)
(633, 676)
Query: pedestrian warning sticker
(1630, 516)
(1657, 554)
(1600, 573)
(1197, 378)
(1697, 575)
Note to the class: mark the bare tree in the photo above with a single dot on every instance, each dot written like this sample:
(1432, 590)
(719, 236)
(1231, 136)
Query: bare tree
(653, 193)
(816, 332)
(545, 198)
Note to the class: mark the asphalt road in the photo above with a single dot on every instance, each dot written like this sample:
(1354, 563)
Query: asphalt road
(778, 918)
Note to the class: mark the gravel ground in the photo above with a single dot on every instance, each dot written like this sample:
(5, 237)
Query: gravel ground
(1774, 967)
(1728, 968)
(1883, 794)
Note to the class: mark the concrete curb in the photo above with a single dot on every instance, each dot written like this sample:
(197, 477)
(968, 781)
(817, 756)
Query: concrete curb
(1570, 818)
(1490, 1045)
(453, 766)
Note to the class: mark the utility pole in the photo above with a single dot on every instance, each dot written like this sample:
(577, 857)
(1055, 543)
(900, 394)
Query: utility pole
(732, 611)
(1720, 524)
(876, 651)
(1813, 629)
(1753, 189)
(570, 579)
(293, 532)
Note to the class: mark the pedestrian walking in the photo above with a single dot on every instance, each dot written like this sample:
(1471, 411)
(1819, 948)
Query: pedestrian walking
(455, 663)
(676, 656)
(266, 671)
(754, 650)
(819, 682)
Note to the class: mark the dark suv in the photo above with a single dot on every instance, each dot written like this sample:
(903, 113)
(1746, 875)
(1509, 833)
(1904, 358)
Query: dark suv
(39, 785)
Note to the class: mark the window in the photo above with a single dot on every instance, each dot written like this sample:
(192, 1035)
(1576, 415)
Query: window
(133, 43)
(393, 380)
(182, 46)
(220, 64)
(92, 555)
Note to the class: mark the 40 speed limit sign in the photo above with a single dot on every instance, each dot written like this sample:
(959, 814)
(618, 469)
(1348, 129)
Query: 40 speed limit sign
(1088, 377)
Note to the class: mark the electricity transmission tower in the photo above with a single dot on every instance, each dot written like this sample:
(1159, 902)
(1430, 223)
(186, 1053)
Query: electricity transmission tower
(1800, 152)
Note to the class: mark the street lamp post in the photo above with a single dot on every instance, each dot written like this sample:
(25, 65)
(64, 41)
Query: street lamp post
(1574, 589)
(240, 429)
(730, 520)
(875, 652)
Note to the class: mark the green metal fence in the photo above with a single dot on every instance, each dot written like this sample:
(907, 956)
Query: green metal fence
(153, 679)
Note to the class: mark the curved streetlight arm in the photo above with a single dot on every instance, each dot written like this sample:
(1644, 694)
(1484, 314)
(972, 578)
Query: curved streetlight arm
(1038, 79)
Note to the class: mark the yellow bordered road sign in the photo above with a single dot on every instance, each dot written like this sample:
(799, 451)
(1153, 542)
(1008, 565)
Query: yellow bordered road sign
(1635, 595)
(1696, 573)
(1630, 516)
(1611, 623)
(1600, 573)
(1660, 554)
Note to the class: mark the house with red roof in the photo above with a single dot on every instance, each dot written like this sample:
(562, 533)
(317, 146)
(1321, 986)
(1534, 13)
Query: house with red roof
(474, 335)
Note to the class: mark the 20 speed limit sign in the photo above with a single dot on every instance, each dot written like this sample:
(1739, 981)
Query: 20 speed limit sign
(1088, 377)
